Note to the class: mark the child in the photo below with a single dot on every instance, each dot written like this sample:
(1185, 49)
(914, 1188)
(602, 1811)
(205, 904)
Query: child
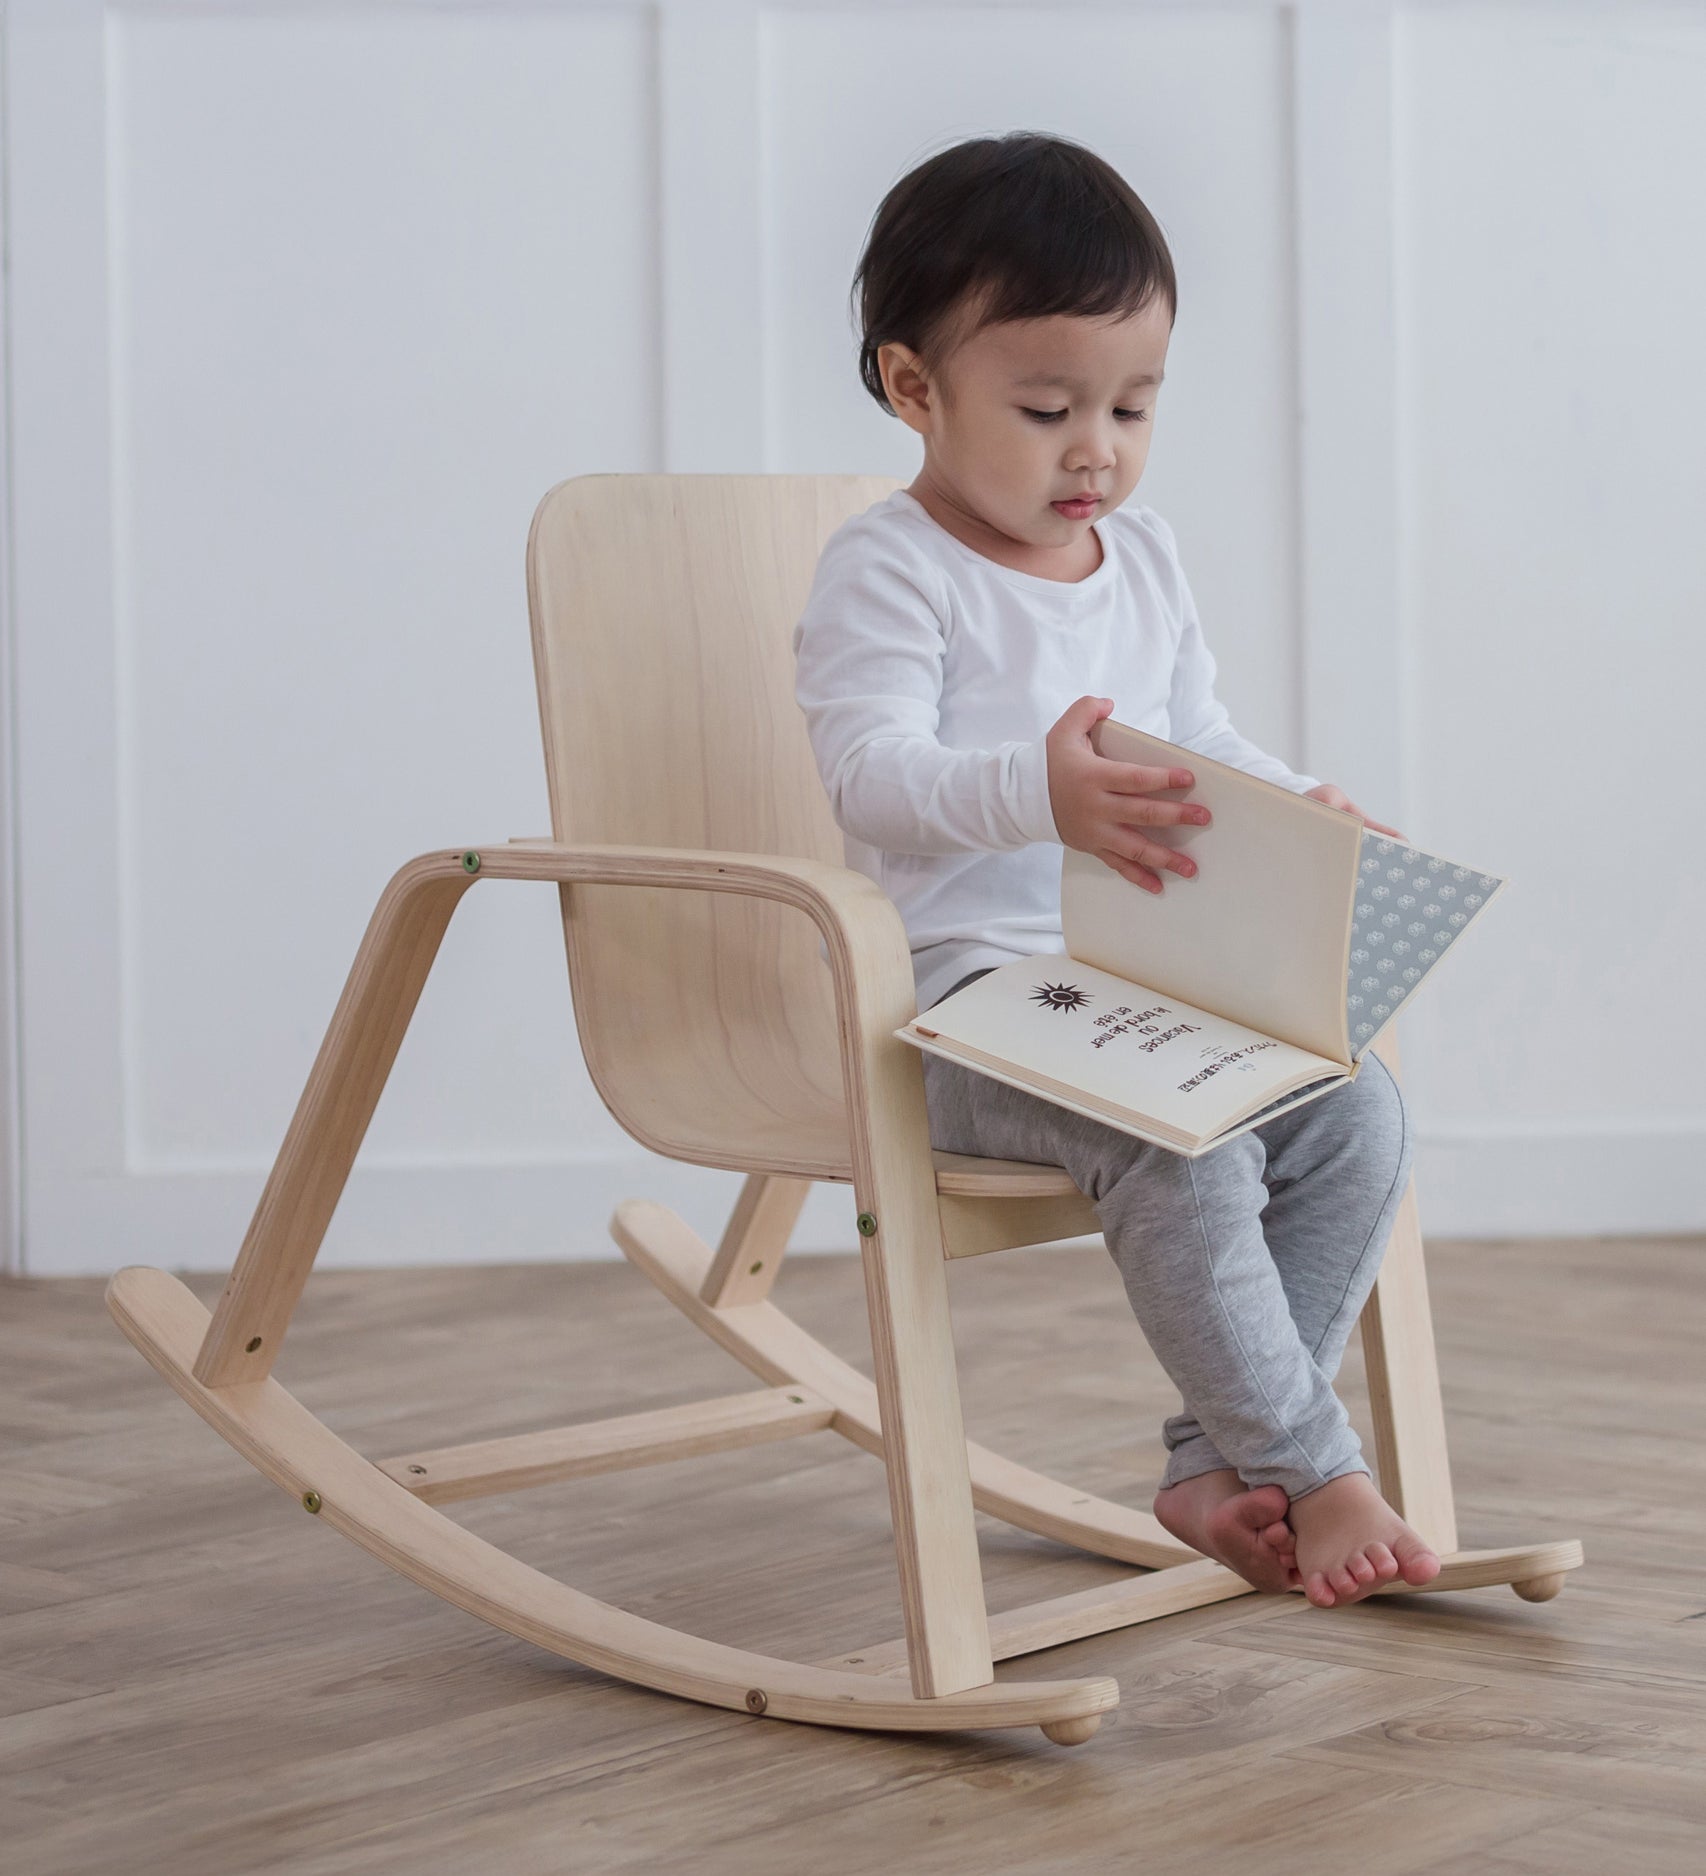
(1017, 302)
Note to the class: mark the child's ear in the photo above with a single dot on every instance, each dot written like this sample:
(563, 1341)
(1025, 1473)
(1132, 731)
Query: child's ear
(908, 389)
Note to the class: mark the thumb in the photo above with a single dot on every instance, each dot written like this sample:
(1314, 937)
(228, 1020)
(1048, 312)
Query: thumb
(1087, 711)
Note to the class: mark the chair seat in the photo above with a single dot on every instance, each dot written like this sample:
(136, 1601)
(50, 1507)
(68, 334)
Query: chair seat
(966, 1176)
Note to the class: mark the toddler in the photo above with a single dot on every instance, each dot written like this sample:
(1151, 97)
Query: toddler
(961, 638)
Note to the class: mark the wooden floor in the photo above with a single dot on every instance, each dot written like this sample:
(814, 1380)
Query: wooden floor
(196, 1678)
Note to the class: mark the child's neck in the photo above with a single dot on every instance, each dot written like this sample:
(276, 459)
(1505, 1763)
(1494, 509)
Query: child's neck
(1069, 564)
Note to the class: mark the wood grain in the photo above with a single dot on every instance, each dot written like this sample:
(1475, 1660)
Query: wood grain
(204, 1682)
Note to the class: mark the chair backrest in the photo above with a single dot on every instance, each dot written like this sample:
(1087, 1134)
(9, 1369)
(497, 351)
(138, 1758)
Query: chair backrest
(663, 609)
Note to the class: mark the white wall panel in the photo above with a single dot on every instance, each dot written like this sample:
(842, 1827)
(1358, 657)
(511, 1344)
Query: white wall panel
(1553, 186)
(307, 306)
(365, 309)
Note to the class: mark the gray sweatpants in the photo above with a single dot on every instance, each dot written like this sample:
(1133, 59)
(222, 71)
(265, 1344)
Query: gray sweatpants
(1246, 1267)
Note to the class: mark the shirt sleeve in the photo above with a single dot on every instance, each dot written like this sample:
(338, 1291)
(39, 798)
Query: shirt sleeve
(869, 651)
(1198, 718)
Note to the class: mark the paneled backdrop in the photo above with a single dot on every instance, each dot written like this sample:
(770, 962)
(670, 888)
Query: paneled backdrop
(308, 305)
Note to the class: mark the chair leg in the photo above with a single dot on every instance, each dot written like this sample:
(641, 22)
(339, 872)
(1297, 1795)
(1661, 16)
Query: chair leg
(325, 1134)
(1403, 1375)
(906, 1292)
(754, 1240)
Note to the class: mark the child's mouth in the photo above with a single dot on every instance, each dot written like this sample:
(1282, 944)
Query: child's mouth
(1076, 511)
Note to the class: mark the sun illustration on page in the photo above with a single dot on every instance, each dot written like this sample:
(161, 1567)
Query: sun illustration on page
(1060, 997)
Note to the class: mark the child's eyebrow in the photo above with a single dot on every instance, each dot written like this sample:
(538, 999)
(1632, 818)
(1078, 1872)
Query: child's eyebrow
(1072, 384)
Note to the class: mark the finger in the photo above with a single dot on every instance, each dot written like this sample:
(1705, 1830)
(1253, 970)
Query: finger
(1167, 859)
(1380, 829)
(1128, 869)
(1135, 811)
(1153, 854)
(1138, 778)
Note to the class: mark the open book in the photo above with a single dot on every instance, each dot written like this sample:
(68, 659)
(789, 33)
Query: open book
(1189, 1015)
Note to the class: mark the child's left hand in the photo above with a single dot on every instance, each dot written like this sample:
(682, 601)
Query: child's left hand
(1337, 798)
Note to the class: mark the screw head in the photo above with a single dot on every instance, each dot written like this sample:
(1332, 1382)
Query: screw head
(251, 1345)
(867, 1224)
(755, 1700)
(312, 1501)
(470, 862)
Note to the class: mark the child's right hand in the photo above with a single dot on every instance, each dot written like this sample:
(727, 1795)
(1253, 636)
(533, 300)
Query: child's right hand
(1100, 806)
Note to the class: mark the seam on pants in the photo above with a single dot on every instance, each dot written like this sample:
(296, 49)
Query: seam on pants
(1362, 1258)
(1214, 1279)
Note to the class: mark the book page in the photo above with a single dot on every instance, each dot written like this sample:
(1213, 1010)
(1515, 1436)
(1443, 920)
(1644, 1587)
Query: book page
(1068, 1025)
(1261, 934)
(1410, 907)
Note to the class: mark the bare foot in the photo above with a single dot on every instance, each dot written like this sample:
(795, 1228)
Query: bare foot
(1350, 1541)
(1216, 1513)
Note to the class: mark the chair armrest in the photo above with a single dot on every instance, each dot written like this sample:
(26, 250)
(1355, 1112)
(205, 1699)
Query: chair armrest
(870, 958)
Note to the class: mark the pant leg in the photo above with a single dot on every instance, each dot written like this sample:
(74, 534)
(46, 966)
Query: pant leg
(1187, 1237)
(1336, 1170)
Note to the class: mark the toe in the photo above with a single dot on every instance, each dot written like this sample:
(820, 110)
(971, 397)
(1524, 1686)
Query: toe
(1416, 1562)
(1282, 1538)
(1385, 1564)
(1361, 1568)
(1344, 1584)
(1319, 1591)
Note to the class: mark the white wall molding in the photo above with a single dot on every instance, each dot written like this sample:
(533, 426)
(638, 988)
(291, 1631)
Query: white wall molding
(710, 129)
(1352, 686)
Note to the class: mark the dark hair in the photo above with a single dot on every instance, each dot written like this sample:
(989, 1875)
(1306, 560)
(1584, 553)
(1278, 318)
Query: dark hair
(1003, 228)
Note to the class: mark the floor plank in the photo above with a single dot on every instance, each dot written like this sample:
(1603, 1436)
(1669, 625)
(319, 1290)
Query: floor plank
(198, 1679)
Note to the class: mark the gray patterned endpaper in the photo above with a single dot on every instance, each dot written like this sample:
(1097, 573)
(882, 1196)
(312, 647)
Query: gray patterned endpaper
(1411, 907)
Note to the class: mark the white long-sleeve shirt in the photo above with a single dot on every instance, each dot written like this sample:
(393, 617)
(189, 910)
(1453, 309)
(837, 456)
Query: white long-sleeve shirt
(930, 675)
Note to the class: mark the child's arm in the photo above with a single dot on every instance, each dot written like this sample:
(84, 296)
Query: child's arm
(868, 661)
(868, 655)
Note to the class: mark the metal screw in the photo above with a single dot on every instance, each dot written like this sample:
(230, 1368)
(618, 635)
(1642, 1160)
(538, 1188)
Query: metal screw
(251, 1345)
(756, 1268)
(418, 1470)
(755, 1700)
(312, 1501)
(470, 862)
(867, 1224)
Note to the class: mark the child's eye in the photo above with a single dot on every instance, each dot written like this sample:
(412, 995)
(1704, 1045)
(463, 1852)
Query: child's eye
(1053, 416)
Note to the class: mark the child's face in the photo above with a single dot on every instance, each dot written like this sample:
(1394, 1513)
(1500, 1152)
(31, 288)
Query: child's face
(1002, 451)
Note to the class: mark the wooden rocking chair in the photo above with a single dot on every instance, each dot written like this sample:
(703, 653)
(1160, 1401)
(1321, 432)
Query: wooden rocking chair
(698, 865)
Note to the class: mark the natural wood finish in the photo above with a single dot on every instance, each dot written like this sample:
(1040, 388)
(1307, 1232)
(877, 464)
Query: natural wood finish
(281, 1439)
(778, 1350)
(479, 1469)
(894, 1181)
(196, 1679)
(1411, 1456)
(736, 990)
(1157, 1593)
(972, 1227)
(331, 1117)
(754, 1240)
